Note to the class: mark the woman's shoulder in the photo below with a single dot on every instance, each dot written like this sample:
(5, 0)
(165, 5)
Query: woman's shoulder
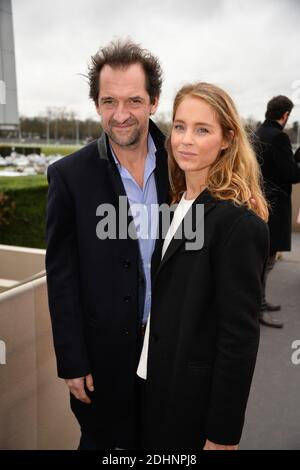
(238, 217)
(229, 207)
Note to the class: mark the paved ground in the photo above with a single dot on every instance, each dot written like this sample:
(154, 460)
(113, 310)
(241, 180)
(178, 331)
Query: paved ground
(273, 413)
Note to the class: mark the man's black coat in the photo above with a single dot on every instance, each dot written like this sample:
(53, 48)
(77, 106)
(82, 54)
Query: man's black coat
(96, 287)
(280, 171)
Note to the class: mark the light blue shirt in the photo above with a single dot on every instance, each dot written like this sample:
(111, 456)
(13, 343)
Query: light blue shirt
(145, 197)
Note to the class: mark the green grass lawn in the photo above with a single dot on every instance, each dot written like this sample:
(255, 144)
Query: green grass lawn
(20, 182)
(59, 149)
(47, 149)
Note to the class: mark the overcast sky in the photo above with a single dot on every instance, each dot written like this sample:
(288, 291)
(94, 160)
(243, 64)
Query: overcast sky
(250, 48)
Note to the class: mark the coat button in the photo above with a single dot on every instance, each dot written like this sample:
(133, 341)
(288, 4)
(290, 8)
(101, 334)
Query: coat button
(126, 263)
(154, 336)
(127, 298)
(126, 331)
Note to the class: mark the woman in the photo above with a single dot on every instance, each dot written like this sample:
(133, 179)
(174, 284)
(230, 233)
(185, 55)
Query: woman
(200, 354)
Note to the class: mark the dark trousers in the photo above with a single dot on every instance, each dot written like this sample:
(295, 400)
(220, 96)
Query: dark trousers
(269, 266)
(89, 442)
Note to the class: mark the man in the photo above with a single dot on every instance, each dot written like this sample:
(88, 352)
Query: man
(280, 171)
(99, 287)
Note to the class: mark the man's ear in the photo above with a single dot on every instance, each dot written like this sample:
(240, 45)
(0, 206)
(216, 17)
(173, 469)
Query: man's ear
(154, 106)
(98, 109)
(284, 116)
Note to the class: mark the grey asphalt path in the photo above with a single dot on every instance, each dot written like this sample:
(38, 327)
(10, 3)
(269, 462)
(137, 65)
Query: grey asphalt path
(273, 412)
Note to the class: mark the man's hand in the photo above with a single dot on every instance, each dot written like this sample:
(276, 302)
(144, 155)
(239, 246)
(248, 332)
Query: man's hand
(212, 446)
(76, 387)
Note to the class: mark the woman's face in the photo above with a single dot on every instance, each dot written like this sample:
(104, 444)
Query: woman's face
(196, 136)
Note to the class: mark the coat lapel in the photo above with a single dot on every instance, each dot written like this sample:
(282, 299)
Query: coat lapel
(160, 172)
(209, 203)
(114, 175)
(161, 169)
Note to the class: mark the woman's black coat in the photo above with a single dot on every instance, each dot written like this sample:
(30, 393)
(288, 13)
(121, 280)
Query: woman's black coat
(204, 330)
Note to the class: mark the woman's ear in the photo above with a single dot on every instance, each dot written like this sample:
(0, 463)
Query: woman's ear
(228, 139)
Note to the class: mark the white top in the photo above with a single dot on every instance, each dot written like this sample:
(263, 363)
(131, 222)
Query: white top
(178, 217)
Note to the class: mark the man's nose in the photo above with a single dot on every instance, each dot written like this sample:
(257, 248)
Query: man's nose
(121, 113)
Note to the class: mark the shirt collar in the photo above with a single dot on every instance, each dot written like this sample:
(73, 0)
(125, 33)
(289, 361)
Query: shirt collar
(151, 152)
(273, 123)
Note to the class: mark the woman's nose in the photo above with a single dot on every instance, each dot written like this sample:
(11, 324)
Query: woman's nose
(187, 137)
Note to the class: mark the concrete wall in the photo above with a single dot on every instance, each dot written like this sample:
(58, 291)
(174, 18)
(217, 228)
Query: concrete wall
(34, 403)
(19, 263)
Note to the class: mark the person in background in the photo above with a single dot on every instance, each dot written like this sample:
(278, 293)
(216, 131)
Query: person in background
(280, 171)
(297, 158)
(297, 155)
(99, 289)
(202, 336)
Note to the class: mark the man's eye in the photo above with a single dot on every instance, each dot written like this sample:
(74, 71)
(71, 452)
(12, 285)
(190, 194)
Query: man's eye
(135, 101)
(108, 101)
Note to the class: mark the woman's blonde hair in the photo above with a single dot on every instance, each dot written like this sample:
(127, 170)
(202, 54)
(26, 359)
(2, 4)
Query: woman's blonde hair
(235, 174)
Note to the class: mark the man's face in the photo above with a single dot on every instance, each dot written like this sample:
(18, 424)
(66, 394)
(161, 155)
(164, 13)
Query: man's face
(124, 104)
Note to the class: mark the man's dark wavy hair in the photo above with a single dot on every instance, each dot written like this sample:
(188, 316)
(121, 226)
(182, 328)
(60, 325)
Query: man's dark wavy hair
(277, 106)
(121, 54)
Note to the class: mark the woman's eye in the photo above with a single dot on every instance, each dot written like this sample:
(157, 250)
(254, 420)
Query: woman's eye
(201, 130)
(178, 127)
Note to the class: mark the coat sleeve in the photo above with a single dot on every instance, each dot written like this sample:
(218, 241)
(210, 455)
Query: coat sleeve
(62, 267)
(238, 277)
(284, 159)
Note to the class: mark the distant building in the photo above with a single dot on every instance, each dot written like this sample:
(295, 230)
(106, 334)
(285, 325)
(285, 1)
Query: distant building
(9, 115)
